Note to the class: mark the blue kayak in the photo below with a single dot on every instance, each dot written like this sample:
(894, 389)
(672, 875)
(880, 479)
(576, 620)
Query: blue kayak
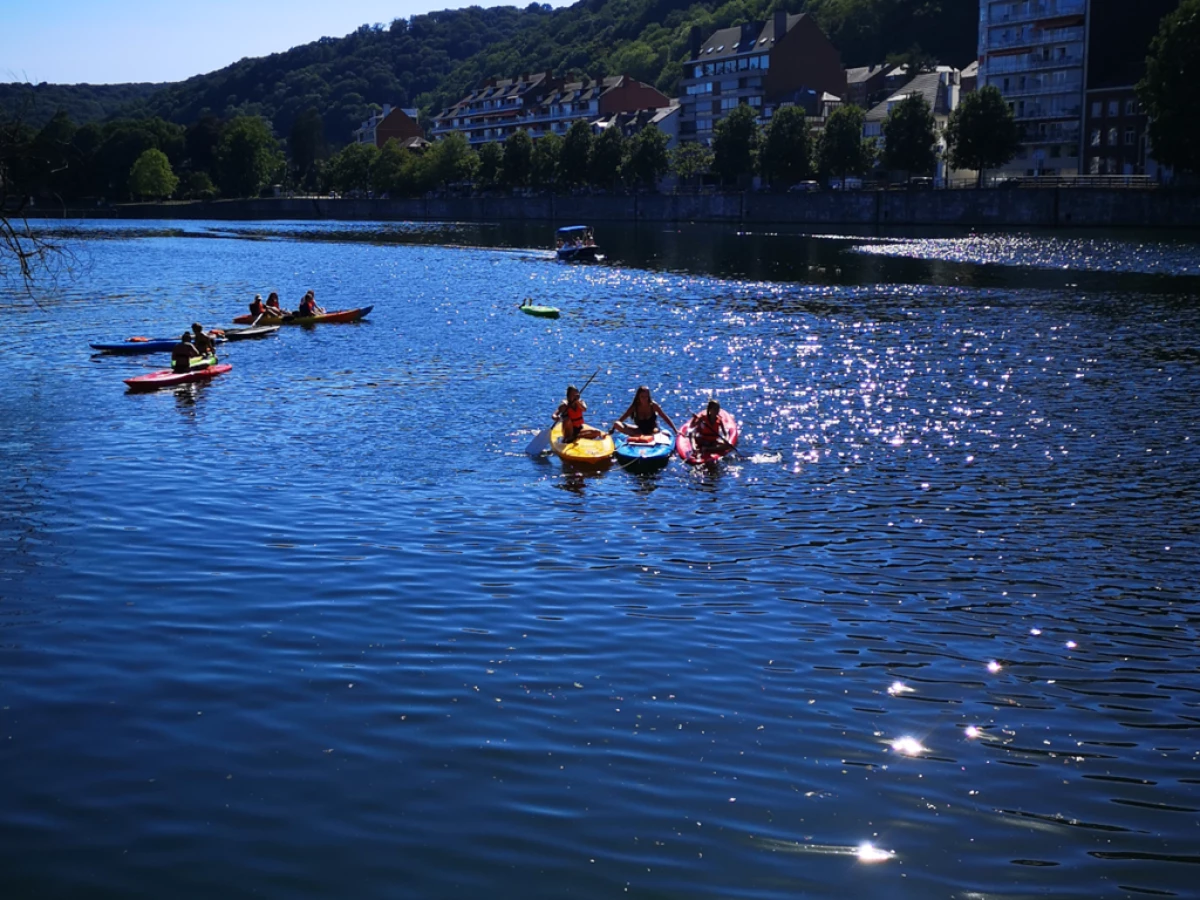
(147, 345)
(644, 450)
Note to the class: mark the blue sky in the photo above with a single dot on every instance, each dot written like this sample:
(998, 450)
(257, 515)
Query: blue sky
(114, 41)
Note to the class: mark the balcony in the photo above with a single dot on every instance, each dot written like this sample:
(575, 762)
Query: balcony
(1048, 112)
(1036, 10)
(998, 40)
(1072, 89)
(1031, 62)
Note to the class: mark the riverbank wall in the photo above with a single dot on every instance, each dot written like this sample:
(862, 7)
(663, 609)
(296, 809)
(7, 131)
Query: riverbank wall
(1059, 207)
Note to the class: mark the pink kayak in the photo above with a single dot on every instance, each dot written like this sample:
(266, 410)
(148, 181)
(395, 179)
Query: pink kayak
(168, 378)
(687, 449)
(342, 315)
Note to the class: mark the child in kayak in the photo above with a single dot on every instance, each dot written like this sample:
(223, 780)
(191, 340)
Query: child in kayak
(183, 353)
(708, 431)
(273, 309)
(645, 413)
(570, 413)
(308, 306)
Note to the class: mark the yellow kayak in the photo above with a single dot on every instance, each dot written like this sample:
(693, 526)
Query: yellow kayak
(589, 451)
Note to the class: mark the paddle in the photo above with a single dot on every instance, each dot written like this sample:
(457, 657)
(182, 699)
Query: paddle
(541, 443)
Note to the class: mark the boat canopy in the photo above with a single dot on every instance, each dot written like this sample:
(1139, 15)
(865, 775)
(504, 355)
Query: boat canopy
(567, 229)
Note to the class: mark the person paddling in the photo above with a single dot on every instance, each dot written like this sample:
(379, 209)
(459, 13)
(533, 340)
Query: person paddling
(204, 344)
(308, 306)
(273, 308)
(708, 431)
(645, 413)
(183, 353)
(258, 309)
(570, 414)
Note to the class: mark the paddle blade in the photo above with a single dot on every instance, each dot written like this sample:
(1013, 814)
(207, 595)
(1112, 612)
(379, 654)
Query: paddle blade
(540, 444)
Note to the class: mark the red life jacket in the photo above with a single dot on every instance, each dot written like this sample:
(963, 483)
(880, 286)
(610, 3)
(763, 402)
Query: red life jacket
(575, 414)
(709, 432)
(257, 308)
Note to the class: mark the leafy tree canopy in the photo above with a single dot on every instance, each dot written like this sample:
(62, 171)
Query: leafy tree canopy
(842, 151)
(982, 133)
(909, 135)
(151, 176)
(736, 140)
(786, 156)
(1169, 90)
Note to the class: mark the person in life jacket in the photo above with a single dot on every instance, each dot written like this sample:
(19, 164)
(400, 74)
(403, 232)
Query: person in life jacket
(273, 308)
(183, 353)
(308, 306)
(570, 413)
(707, 430)
(202, 341)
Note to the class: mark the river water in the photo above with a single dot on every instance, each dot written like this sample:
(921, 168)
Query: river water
(319, 628)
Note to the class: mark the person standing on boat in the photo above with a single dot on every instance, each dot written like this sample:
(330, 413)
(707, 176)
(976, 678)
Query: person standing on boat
(644, 412)
(183, 353)
(570, 414)
(204, 344)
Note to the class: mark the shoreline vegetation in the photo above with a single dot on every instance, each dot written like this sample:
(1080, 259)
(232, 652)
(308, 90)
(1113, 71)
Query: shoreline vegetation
(1057, 207)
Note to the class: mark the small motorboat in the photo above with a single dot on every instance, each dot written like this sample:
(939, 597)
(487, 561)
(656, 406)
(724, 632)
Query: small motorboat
(575, 243)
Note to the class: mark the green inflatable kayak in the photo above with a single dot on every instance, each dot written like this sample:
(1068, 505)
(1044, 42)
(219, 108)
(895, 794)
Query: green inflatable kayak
(543, 312)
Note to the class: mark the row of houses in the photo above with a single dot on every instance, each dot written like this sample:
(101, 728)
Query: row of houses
(1066, 67)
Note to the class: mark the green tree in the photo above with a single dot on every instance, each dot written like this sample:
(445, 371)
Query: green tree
(1169, 89)
(151, 176)
(395, 170)
(352, 166)
(491, 162)
(648, 158)
(198, 186)
(518, 158)
(248, 157)
(306, 143)
(786, 156)
(909, 135)
(546, 154)
(576, 154)
(608, 156)
(691, 160)
(841, 149)
(982, 133)
(735, 145)
(449, 161)
(202, 141)
(53, 154)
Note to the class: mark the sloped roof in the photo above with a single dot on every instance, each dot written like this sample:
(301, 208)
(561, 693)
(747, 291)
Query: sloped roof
(742, 39)
(863, 73)
(929, 85)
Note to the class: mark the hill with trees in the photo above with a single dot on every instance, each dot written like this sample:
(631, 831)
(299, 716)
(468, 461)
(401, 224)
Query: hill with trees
(429, 61)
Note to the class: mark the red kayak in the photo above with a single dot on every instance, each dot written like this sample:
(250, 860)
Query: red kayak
(344, 315)
(687, 450)
(168, 378)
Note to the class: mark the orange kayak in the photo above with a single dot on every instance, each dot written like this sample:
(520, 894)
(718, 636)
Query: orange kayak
(343, 315)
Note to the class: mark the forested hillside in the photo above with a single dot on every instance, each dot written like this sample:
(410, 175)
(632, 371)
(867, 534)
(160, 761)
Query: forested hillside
(36, 105)
(430, 60)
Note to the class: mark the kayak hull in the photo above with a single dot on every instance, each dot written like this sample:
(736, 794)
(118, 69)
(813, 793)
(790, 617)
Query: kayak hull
(245, 334)
(154, 345)
(541, 312)
(585, 451)
(343, 315)
(687, 449)
(578, 254)
(647, 451)
(168, 378)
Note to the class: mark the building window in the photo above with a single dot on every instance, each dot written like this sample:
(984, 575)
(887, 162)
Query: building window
(1094, 166)
(1112, 136)
(1055, 151)
(1113, 168)
(1096, 107)
(1095, 137)
(1114, 108)
(728, 103)
(1130, 137)
(1131, 107)
(756, 101)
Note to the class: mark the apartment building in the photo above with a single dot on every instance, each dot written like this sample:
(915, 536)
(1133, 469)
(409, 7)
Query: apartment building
(760, 64)
(542, 104)
(942, 90)
(1034, 51)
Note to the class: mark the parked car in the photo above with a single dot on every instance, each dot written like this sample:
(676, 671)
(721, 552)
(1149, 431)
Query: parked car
(849, 183)
(921, 183)
(802, 187)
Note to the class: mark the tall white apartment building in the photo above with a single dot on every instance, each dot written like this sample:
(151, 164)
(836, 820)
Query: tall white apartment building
(1035, 52)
